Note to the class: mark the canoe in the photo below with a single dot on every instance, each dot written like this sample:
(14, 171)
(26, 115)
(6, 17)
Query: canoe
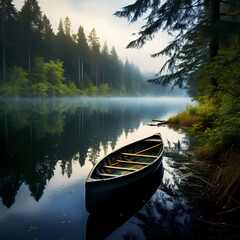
(108, 219)
(121, 170)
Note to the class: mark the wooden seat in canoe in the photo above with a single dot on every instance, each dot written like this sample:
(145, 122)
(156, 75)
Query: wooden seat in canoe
(121, 168)
(146, 149)
(153, 140)
(131, 162)
(107, 175)
(139, 155)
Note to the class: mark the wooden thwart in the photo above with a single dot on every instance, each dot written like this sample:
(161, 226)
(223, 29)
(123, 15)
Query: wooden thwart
(131, 162)
(144, 150)
(107, 175)
(153, 140)
(139, 155)
(113, 164)
(121, 168)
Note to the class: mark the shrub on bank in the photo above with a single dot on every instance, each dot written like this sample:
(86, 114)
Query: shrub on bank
(201, 113)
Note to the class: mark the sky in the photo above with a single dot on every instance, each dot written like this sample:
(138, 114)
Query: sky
(116, 31)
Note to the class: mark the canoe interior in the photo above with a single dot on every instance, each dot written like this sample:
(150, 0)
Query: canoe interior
(129, 159)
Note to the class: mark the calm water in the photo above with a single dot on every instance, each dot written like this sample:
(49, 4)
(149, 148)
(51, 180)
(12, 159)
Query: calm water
(48, 147)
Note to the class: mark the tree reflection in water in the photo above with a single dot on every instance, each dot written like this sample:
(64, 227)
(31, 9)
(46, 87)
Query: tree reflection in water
(36, 133)
(47, 148)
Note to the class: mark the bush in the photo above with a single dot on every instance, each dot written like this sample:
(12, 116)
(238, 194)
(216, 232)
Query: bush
(202, 114)
(223, 128)
(40, 90)
(18, 85)
(46, 80)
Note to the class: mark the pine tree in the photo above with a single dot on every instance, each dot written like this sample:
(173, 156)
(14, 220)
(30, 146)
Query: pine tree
(94, 44)
(48, 38)
(60, 32)
(67, 26)
(83, 52)
(197, 26)
(116, 78)
(93, 40)
(66, 50)
(8, 17)
(105, 62)
(30, 18)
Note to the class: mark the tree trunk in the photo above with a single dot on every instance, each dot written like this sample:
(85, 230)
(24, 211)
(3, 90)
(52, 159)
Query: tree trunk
(214, 40)
(103, 74)
(82, 73)
(29, 57)
(215, 18)
(79, 74)
(3, 50)
(96, 75)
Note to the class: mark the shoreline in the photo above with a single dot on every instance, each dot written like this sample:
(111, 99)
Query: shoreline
(216, 167)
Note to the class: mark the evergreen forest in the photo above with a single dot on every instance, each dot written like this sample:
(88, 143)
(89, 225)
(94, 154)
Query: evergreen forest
(36, 62)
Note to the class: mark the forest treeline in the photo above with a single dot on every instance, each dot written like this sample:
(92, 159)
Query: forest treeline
(36, 62)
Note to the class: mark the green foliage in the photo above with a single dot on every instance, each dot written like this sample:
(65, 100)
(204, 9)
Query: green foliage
(225, 127)
(60, 28)
(93, 91)
(94, 40)
(104, 90)
(18, 85)
(201, 114)
(46, 80)
(40, 90)
(67, 26)
(38, 73)
(54, 72)
(55, 61)
(198, 29)
(73, 90)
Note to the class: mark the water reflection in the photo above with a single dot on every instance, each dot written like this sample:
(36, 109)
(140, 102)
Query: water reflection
(47, 148)
(109, 217)
(171, 211)
(35, 134)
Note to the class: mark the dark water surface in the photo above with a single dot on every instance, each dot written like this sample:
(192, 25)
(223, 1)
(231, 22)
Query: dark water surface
(47, 149)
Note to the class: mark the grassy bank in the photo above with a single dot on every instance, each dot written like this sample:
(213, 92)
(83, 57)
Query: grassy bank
(196, 114)
(204, 122)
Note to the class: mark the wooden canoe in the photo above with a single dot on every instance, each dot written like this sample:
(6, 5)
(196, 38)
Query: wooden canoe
(108, 218)
(122, 169)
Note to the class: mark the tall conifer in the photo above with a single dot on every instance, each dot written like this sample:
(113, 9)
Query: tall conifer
(197, 26)
(30, 18)
(8, 15)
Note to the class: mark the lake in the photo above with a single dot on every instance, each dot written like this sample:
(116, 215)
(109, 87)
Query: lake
(48, 147)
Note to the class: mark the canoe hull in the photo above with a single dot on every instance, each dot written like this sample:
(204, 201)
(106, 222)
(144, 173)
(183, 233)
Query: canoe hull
(101, 191)
(113, 214)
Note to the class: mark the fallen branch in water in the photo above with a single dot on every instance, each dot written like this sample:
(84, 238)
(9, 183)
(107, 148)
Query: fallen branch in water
(228, 211)
(152, 124)
(206, 182)
(161, 121)
(218, 223)
(192, 169)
